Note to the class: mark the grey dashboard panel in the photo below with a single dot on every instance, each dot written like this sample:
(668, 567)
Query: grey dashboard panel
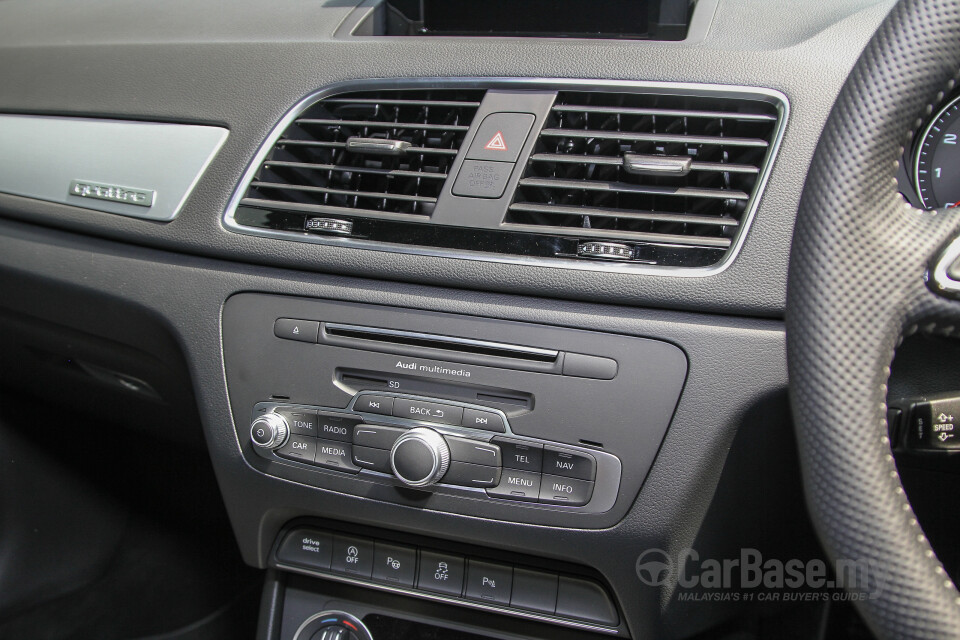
(244, 69)
(625, 416)
(736, 380)
(137, 169)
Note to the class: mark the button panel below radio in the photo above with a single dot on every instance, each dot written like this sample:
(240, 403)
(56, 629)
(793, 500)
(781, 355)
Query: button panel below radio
(504, 467)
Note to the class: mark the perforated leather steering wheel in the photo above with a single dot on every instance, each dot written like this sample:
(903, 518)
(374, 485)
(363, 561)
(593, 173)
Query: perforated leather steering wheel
(858, 283)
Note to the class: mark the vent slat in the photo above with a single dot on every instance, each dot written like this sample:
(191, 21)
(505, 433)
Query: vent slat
(618, 161)
(348, 169)
(613, 234)
(373, 195)
(653, 216)
(623, 187)
(366, 124)
(343, 145)
(311, 164)
(281, 205)
(632, 136)
(417, 103)
(670, 113)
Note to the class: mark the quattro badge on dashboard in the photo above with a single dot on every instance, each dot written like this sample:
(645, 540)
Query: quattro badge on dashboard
(112, 193)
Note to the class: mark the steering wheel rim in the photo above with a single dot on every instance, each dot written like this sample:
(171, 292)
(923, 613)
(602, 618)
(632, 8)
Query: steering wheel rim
(857, 285)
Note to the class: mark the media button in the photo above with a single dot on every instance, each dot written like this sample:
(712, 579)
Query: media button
(335, 455)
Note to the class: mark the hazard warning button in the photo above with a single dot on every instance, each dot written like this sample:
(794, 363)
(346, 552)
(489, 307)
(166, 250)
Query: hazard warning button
(501, 137)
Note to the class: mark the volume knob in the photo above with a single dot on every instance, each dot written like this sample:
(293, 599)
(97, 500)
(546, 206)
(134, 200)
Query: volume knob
(420, 457)
(269, 431)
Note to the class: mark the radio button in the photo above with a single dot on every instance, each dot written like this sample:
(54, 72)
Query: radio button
(517, 485)
(486, 420)
(300, 448)
(381, 405)
(336, 427)
(427, 411)
(368, 435)
(525, 456)
(335, 455)
(471, 475)
(572, 464)
(473, 451)
(301, 421)
(560, 490)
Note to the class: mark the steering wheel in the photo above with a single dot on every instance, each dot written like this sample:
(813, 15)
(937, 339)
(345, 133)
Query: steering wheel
(860, 280)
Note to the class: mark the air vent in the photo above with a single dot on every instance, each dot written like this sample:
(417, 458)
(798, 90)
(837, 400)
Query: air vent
(383, 153)
(616, 177)
(646, 168)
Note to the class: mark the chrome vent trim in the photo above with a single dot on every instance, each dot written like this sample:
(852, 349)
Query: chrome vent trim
(775, 98)
(645, 166)
(384, 151)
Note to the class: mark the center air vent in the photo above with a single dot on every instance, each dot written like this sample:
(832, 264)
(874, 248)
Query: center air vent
(645, 168)
(624, 177)
(384, 152)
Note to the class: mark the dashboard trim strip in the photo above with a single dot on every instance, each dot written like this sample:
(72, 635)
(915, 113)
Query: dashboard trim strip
(677, 88)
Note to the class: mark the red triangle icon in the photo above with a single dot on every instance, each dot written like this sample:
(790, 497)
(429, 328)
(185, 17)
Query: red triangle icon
(497, 143)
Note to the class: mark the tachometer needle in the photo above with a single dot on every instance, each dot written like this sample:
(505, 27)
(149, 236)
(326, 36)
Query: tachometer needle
(955, 204)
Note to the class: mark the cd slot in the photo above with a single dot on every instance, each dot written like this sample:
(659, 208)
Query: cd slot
(439, 347)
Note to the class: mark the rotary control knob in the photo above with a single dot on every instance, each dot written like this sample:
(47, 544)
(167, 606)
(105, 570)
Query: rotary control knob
(269, 431)
(420, 457)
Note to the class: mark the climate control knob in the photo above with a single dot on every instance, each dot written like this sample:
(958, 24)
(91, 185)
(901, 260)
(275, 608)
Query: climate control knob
(269, 431)
(420, 457)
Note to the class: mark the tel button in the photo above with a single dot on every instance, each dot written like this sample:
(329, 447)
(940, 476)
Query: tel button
(525, 456)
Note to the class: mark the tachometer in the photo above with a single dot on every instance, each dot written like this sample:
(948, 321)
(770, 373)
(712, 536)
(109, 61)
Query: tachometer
(937, 167)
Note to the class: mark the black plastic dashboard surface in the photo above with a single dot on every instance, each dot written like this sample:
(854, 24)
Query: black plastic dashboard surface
(245, 66)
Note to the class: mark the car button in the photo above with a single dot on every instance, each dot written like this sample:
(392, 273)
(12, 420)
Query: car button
(301, 330)
(473, 451)
(369, 435)
(482, 179)
(486, 420)
(427, 411)
(331, 426)
(568, 491)
(335, 455)
(382, 405)
(301, 421)
(441, 573)
(394, 564)
(306, 548)
(520, 455)
(489, 582)
(352, 555)
(471, 475)
(500, 137)
(517, 485)
(302, 448)
(563, 462)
